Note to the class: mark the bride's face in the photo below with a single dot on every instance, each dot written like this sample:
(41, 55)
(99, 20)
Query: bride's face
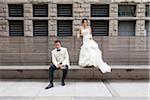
(85, 23)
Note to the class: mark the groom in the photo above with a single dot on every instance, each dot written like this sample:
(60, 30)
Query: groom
(60, 60)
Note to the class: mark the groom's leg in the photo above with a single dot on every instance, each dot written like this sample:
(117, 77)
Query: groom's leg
(64, 73)
(51, 72)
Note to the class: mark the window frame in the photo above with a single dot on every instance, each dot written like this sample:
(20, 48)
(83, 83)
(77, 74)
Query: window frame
(34, 30)
(16, 9)
(40, 7)
(59, 14)
(100, 5)
(127, 12)
(64, 21)
(19, 25)
(101, 25)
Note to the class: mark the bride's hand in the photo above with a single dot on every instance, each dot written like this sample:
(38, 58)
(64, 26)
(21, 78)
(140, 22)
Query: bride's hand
(78, 35)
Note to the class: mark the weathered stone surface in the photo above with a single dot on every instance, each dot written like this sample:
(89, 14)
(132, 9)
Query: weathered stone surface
(140, 28)
(113, 10)
(140, 10)
(113, 28)
(28, 29)
(30, 50)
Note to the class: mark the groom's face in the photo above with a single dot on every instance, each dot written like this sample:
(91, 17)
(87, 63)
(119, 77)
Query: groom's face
(57, 45)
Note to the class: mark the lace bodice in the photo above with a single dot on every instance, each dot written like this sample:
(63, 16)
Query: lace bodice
(86, 34)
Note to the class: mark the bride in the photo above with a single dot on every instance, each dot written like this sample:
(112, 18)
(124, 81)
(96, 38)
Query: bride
(90, 54)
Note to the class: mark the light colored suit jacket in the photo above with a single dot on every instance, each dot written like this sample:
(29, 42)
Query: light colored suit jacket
(61, 56)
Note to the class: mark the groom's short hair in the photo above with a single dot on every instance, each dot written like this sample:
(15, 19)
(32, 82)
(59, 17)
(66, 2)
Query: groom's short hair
(56, 41)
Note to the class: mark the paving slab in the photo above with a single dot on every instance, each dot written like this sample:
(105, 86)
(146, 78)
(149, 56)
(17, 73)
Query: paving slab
(29, 89)
(23, 88)
(91, 89)
(130, 88)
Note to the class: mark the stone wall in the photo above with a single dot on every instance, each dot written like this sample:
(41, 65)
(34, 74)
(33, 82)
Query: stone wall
(35, 50)
(81, 9)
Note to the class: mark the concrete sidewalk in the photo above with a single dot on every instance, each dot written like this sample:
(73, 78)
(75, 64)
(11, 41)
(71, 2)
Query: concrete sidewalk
(27, 89)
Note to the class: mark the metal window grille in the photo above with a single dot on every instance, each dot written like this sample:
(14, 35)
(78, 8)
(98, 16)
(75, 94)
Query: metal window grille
(64, 28)
(15, 10)
(40, 28)
(16, 28)
(99, 10)
(40, 10)
(64, 10)
(100, 27)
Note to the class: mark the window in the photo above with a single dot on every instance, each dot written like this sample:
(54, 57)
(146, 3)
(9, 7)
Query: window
(64, 10)
(127, 11)
(40, 10)
(15, 10)
(100, 27)
(64, 28)
(99, 10)
(147, 28)
(40, 28)
(126, 28)
(147, 13)
(16, 28)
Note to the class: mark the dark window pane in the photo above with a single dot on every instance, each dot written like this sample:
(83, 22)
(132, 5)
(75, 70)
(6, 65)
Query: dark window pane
(64, 10)
(16, 28)
(127, 11)
(100, 10)
(147, 28)
(64, 28)
(40, 10)
(126, 28)
(40, 28)
(15, 10)
(147, 13)
(99, 27)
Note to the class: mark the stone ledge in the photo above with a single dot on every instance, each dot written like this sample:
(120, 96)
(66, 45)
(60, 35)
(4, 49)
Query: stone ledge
(46, 67)
(75, 72)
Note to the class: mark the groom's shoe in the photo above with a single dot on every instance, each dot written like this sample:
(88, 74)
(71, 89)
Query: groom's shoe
(49, 86)
(63, 83)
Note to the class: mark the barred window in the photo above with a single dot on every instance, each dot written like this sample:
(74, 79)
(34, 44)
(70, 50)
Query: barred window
(40, 28)
(40, 10)
(99, 10)
(16, 28)
(127, 11)
(64, 10)
(147, 11)
(15, 10)
(100, 27)
(147, 28)
(64, 27)
(126, 28)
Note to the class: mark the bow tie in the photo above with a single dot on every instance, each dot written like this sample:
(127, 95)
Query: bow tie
(58, 50)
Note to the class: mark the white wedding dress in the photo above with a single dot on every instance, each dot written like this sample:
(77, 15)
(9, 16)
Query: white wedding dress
(90, 54)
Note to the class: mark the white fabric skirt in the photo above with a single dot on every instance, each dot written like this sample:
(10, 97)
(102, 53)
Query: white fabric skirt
(90, 55)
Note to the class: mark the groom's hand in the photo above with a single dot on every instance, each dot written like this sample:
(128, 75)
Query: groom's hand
(59, 66)
(62, 67)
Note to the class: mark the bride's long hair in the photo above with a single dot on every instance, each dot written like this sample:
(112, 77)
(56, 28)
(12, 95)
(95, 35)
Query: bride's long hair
(84, 20)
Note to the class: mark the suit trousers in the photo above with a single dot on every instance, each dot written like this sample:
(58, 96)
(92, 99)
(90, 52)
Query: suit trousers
(51, 72)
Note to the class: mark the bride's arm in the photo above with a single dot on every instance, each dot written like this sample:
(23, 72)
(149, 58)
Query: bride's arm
(91, 37)
(79, 34)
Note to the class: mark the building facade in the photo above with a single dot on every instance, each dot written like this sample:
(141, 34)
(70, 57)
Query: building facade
(29, 27)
